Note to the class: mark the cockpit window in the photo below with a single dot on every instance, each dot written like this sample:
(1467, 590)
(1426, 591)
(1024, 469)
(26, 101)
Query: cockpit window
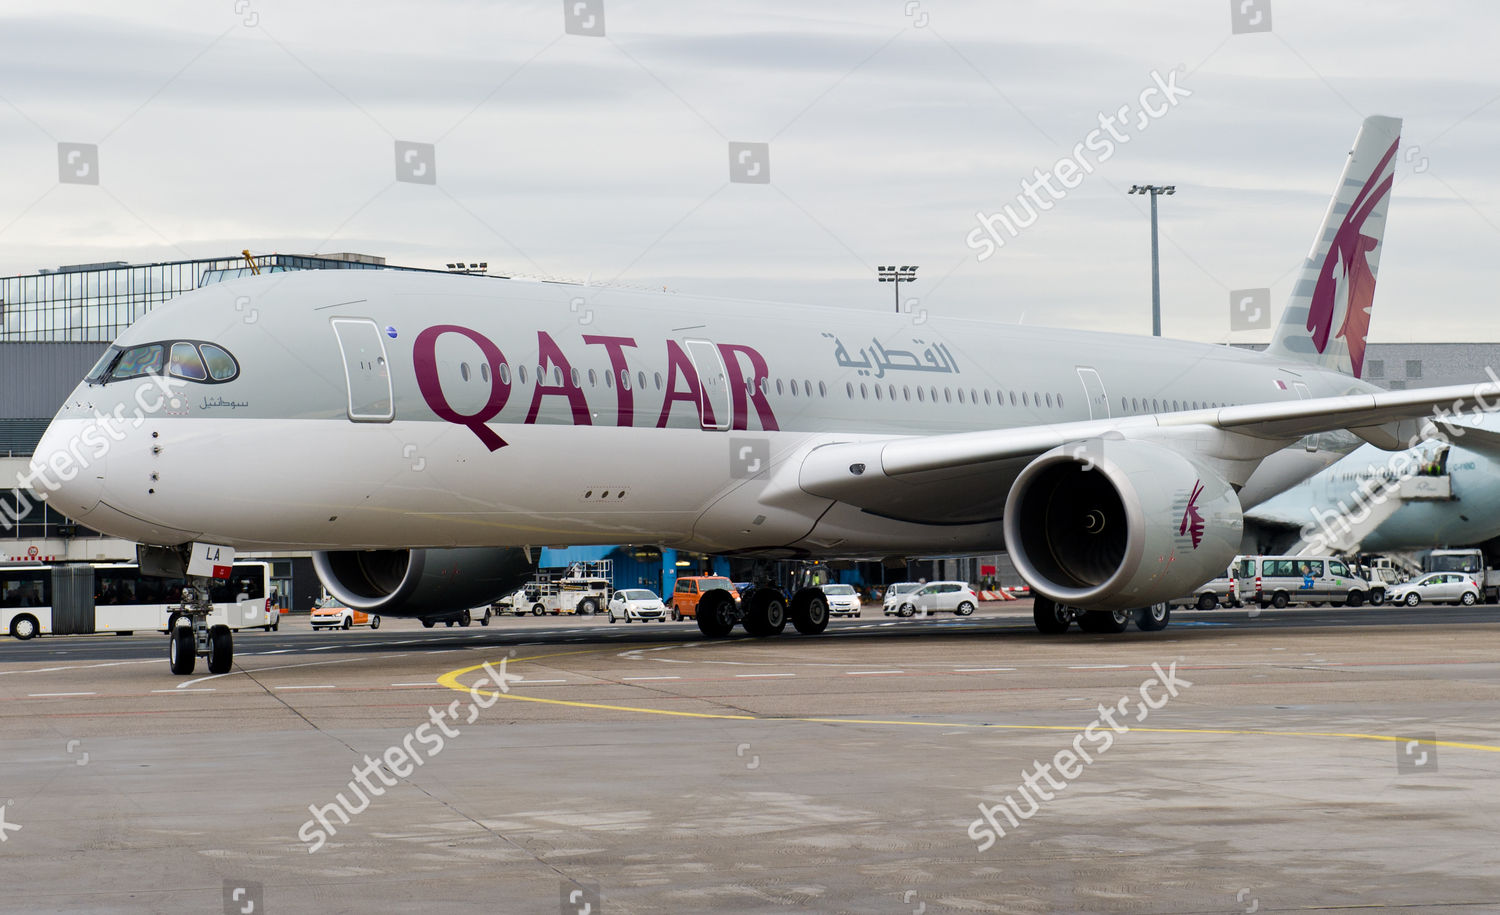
(192, 360)
(221, 365)
(186, 363)
(100, 371)
(141, 360)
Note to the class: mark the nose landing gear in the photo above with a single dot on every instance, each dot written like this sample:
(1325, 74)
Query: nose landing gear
(191, 636)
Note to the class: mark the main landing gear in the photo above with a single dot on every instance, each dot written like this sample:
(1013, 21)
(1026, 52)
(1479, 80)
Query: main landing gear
(764, 610)
(1052, 618)
(189, 635)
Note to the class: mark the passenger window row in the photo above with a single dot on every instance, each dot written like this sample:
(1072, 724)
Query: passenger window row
(1156, 405)
(802, 388)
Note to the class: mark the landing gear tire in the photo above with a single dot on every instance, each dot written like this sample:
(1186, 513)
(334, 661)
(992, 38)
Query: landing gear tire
(716, 614)
(1050, 617)
(1153, 618)
(428, 624)
(1207, 602)
(374, 622)
(220, 650)
(810, 611)
(182, 653)
(767, 613)
(1104, 621)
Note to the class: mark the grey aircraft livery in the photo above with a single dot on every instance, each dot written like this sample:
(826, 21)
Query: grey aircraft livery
(422, 433)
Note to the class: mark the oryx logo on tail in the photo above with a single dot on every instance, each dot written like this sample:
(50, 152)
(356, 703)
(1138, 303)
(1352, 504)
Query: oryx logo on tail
(1347, 281)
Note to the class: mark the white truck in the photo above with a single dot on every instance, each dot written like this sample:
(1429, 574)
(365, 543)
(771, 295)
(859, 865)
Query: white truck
(584, 589)
(1470, 562)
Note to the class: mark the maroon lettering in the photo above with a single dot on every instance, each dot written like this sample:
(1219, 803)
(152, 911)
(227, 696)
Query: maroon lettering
(678, 363)
(430, 383)
(739, 384)
(550, 354)
(615, 346)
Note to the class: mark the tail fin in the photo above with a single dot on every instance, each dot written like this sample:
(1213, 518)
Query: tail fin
(1328, 315)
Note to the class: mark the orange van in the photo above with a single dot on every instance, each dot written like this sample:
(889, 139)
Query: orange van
(690, 590)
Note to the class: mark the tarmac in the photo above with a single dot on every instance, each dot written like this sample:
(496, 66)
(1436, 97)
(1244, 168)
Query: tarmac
(1301, 760)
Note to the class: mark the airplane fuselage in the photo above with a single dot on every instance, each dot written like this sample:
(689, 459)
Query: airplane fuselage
(374, 409)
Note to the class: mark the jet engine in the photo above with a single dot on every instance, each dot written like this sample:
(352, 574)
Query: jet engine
(1110, 524)
(421, 582)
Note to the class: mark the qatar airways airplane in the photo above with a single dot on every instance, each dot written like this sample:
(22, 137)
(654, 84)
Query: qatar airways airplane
(422, 433)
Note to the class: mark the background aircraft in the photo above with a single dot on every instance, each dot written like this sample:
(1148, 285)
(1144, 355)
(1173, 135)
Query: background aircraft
(430, 430)
(1433, 495)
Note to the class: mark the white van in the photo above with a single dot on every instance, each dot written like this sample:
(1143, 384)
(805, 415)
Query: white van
(1223, 591)
(1277, 581)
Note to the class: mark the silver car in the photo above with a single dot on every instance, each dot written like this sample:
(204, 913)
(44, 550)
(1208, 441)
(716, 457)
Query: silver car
(896, 592)
(843, 600)
(637, 604)
(1438, 588)
(937, 597)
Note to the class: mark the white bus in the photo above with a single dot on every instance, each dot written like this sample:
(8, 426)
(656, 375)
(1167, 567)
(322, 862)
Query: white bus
(83, 599)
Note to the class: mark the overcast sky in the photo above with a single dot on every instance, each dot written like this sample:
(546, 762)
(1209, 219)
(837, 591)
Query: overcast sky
(273, 125)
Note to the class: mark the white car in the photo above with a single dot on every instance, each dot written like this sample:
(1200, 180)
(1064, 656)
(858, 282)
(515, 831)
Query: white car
(1438, 588)
(843, 600)
(896, 592)
(631, 604)
(936, 597)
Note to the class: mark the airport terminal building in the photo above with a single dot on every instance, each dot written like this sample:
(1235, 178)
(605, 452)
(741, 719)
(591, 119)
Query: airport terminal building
(55, 324)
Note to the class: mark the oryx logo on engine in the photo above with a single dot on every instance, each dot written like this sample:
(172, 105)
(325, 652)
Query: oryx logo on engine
(1192, 521)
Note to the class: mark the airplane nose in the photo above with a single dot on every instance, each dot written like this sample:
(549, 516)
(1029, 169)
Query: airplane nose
(68, 466)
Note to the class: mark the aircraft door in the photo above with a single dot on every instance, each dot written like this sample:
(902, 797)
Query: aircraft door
(1093, 392)
(366, 370)
(713, 384)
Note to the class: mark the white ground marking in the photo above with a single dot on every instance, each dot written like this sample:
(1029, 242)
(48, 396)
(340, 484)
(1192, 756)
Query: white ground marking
(48, 670)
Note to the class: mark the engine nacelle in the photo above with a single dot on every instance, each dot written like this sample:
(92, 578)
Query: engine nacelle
(421, 582)
(1117, 525)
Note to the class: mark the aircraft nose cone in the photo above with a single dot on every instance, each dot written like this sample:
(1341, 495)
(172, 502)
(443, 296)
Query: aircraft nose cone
(68, 467)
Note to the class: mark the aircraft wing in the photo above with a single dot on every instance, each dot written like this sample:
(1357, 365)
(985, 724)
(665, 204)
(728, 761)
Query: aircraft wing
(964, 476)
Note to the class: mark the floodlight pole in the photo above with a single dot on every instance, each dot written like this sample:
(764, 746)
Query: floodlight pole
(1155, 273)
(1154, 191)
